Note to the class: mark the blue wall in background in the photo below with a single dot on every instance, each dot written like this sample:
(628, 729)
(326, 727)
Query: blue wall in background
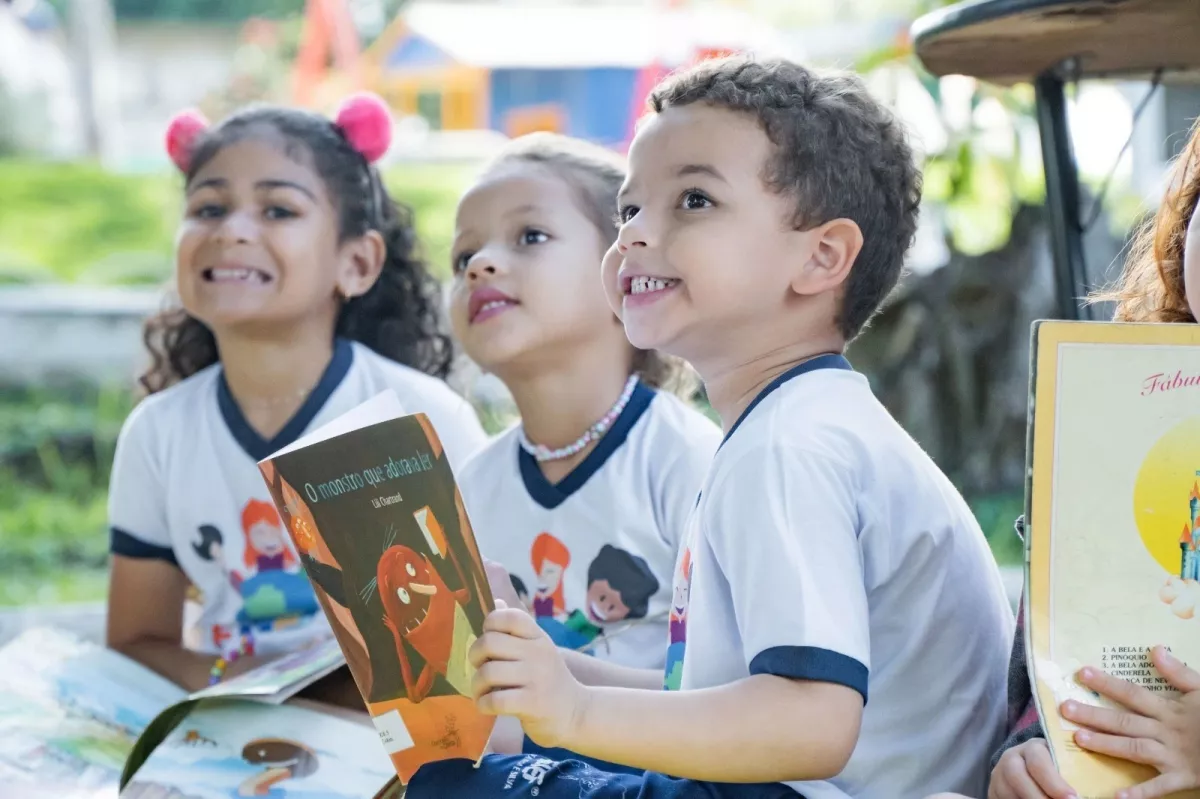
(415, 52)
(595, 101)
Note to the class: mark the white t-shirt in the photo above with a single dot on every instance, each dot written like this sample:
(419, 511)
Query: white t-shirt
(186, 489)
(593, 554)
(826, 545)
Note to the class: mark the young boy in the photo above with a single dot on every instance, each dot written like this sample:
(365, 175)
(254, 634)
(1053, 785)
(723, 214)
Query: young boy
(828, 561)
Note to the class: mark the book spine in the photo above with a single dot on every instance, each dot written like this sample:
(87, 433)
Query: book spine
(1029, 530)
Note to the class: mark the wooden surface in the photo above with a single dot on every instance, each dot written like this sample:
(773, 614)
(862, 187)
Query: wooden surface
(1008, 41)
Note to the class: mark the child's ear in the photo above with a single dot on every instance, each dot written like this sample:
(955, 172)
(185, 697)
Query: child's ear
(360, 264)
(832, 249)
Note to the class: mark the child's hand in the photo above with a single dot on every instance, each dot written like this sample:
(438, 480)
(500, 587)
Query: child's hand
(521, 673)
(1155, 730)
(1027, 772)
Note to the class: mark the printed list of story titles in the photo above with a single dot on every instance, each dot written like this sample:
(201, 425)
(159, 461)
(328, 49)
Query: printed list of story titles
(1133, 663)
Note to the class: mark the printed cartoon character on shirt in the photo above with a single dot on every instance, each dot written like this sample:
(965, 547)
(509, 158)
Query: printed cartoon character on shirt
(225, 600)
(550, 559)
(522, 592)
(619, 588)
(673, 673)
(275, 591)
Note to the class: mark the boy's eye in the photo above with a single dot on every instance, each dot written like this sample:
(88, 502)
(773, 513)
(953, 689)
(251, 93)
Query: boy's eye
(533, 236)
(459, 263)
(694, 201)
(624, 214)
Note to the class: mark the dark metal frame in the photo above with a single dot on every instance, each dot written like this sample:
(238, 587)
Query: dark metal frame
(1062, 197)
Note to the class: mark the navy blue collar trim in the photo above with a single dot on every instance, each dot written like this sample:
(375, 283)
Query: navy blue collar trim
(248, 438)
(551, 495)
(828, 361)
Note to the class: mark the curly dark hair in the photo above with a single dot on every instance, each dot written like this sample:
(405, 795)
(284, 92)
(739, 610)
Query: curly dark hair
(838, 153)
(400, 317)
(1151, 287)
(595, 174)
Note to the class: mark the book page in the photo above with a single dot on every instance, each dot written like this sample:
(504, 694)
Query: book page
(231, 749)
(70, 713)
(1115, 531)
(284, 677)
(383, 535)
(383, 406)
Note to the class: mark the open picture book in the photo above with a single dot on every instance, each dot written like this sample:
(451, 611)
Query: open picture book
(79, 721)
(1112, 521)
(373, 511)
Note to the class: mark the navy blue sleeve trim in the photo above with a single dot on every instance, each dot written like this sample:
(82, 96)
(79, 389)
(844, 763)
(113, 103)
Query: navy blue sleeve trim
(130, 546)
(812, 663)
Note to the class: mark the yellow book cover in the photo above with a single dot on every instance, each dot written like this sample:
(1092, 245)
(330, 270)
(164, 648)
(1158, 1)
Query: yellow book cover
(1113, 520)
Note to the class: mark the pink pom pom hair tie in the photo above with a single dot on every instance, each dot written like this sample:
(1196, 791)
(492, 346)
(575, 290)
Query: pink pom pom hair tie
(366, 123)
(363, 120)
(182, 132)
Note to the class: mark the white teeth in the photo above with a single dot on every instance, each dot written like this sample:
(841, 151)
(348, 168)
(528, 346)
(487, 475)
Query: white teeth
(488, 306)
(240, 275)
(644, 285)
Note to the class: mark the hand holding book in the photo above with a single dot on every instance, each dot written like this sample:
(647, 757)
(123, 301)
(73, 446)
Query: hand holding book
(1028, 772)
(521, 673)
(1153, 729)
(1113, 556)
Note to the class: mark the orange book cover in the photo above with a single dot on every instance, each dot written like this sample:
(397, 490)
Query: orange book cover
(371, 504)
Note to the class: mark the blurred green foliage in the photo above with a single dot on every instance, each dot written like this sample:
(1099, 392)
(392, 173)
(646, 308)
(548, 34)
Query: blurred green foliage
(68, 221)
(77, 223)
(432, 191)
(56, 449)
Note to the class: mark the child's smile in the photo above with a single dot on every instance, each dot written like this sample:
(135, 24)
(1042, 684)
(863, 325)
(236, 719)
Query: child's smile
(259, 239)
(642, 290)
(236, 274)
(704, 243)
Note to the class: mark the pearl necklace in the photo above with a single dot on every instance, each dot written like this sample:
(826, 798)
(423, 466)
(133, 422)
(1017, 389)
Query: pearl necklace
(542, 453)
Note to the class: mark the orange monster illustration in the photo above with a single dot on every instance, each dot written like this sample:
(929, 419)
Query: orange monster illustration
(421, 609)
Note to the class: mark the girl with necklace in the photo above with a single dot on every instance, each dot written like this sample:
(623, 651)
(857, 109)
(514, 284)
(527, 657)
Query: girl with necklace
(584, 501)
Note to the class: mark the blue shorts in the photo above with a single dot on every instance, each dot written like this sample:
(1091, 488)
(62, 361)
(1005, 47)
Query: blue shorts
(535, 775)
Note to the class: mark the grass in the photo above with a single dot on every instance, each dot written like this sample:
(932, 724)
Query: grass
(77, 223)
(56, 448)
(432, 190)
(53, 587)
